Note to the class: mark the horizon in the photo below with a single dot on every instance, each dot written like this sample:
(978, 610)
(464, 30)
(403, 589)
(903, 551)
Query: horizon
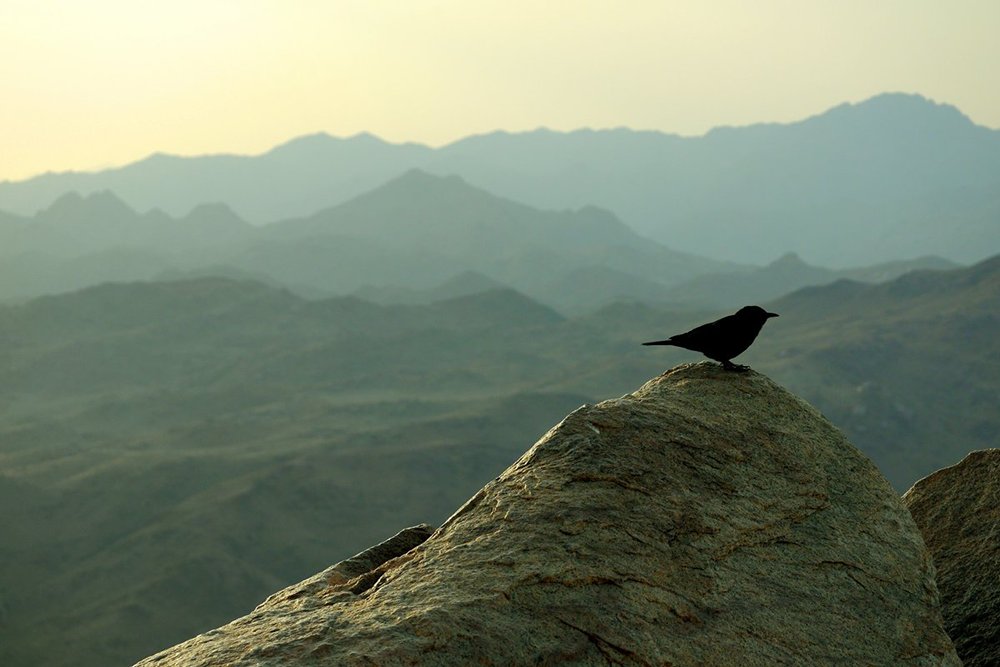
(497, 131)
(109, 84)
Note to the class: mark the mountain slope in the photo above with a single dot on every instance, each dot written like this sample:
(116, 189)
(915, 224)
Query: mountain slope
(906, 368)
(140, 407)
(875, 358)
(156, 433)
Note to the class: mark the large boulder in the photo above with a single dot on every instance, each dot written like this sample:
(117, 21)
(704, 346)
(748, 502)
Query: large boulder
(710, 518)
(958, 511)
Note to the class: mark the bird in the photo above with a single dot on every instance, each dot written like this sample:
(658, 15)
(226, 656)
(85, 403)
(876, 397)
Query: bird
(724, 338)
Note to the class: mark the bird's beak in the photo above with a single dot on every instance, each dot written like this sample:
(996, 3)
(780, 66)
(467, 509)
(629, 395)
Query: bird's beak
(770, 315)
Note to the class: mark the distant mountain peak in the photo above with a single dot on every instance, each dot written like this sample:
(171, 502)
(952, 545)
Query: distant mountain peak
(417, 179)
(313, 138)
(105, 197)
(500, 304)
(157, 158)
(71, 198)
(471, 281)
(882, 112)
(418, 175)
(321, 142)
(366, 137)
(900, 100)
(898, 109)
(787, 260)
(100, 203)
(213, 211)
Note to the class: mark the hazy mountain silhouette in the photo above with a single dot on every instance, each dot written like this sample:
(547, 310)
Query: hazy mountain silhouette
(786, 274)
(416, 239)
(9, 221)
(894, 177)
(585, 289)
(86, 240)
(74, 225)
(462, 284)
(415, 232)
(295, 178)
(423, 229)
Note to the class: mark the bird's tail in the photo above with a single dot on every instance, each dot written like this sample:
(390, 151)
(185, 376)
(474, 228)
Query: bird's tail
(661, 342)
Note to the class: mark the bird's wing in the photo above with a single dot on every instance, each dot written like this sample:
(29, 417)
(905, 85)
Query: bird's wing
(705, 336)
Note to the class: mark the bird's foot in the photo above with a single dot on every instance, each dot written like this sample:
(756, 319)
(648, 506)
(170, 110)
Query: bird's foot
(730, 366)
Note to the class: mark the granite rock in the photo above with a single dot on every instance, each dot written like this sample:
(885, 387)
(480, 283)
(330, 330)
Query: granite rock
(958, 511)
(709, 518)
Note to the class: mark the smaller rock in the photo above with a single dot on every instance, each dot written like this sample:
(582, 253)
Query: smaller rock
(958, 511)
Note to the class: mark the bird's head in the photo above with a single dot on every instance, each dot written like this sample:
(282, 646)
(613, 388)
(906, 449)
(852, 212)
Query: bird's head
(755, 313)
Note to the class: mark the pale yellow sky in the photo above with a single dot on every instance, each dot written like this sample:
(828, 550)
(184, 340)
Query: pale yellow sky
(94, 83)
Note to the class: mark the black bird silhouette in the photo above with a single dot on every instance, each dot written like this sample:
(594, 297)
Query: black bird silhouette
(724, 338)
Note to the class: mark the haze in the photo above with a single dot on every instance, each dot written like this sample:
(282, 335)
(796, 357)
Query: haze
(90, 85)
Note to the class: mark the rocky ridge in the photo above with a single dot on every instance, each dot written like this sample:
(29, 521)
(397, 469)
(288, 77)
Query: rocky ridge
(708, 518)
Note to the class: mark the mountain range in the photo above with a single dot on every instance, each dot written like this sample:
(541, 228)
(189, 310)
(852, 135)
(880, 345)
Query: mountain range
(417, 231)
(405, 241)
(895, 177)
(222, 373)
(173, 451)
(788, 273)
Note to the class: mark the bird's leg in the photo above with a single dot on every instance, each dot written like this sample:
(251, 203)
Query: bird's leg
(730, 366)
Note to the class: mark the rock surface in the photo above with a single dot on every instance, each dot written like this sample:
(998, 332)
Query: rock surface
(365, 563)
(958, 511)
(710, 518)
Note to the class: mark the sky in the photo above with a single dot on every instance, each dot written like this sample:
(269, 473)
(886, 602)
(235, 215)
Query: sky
(90, 84)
